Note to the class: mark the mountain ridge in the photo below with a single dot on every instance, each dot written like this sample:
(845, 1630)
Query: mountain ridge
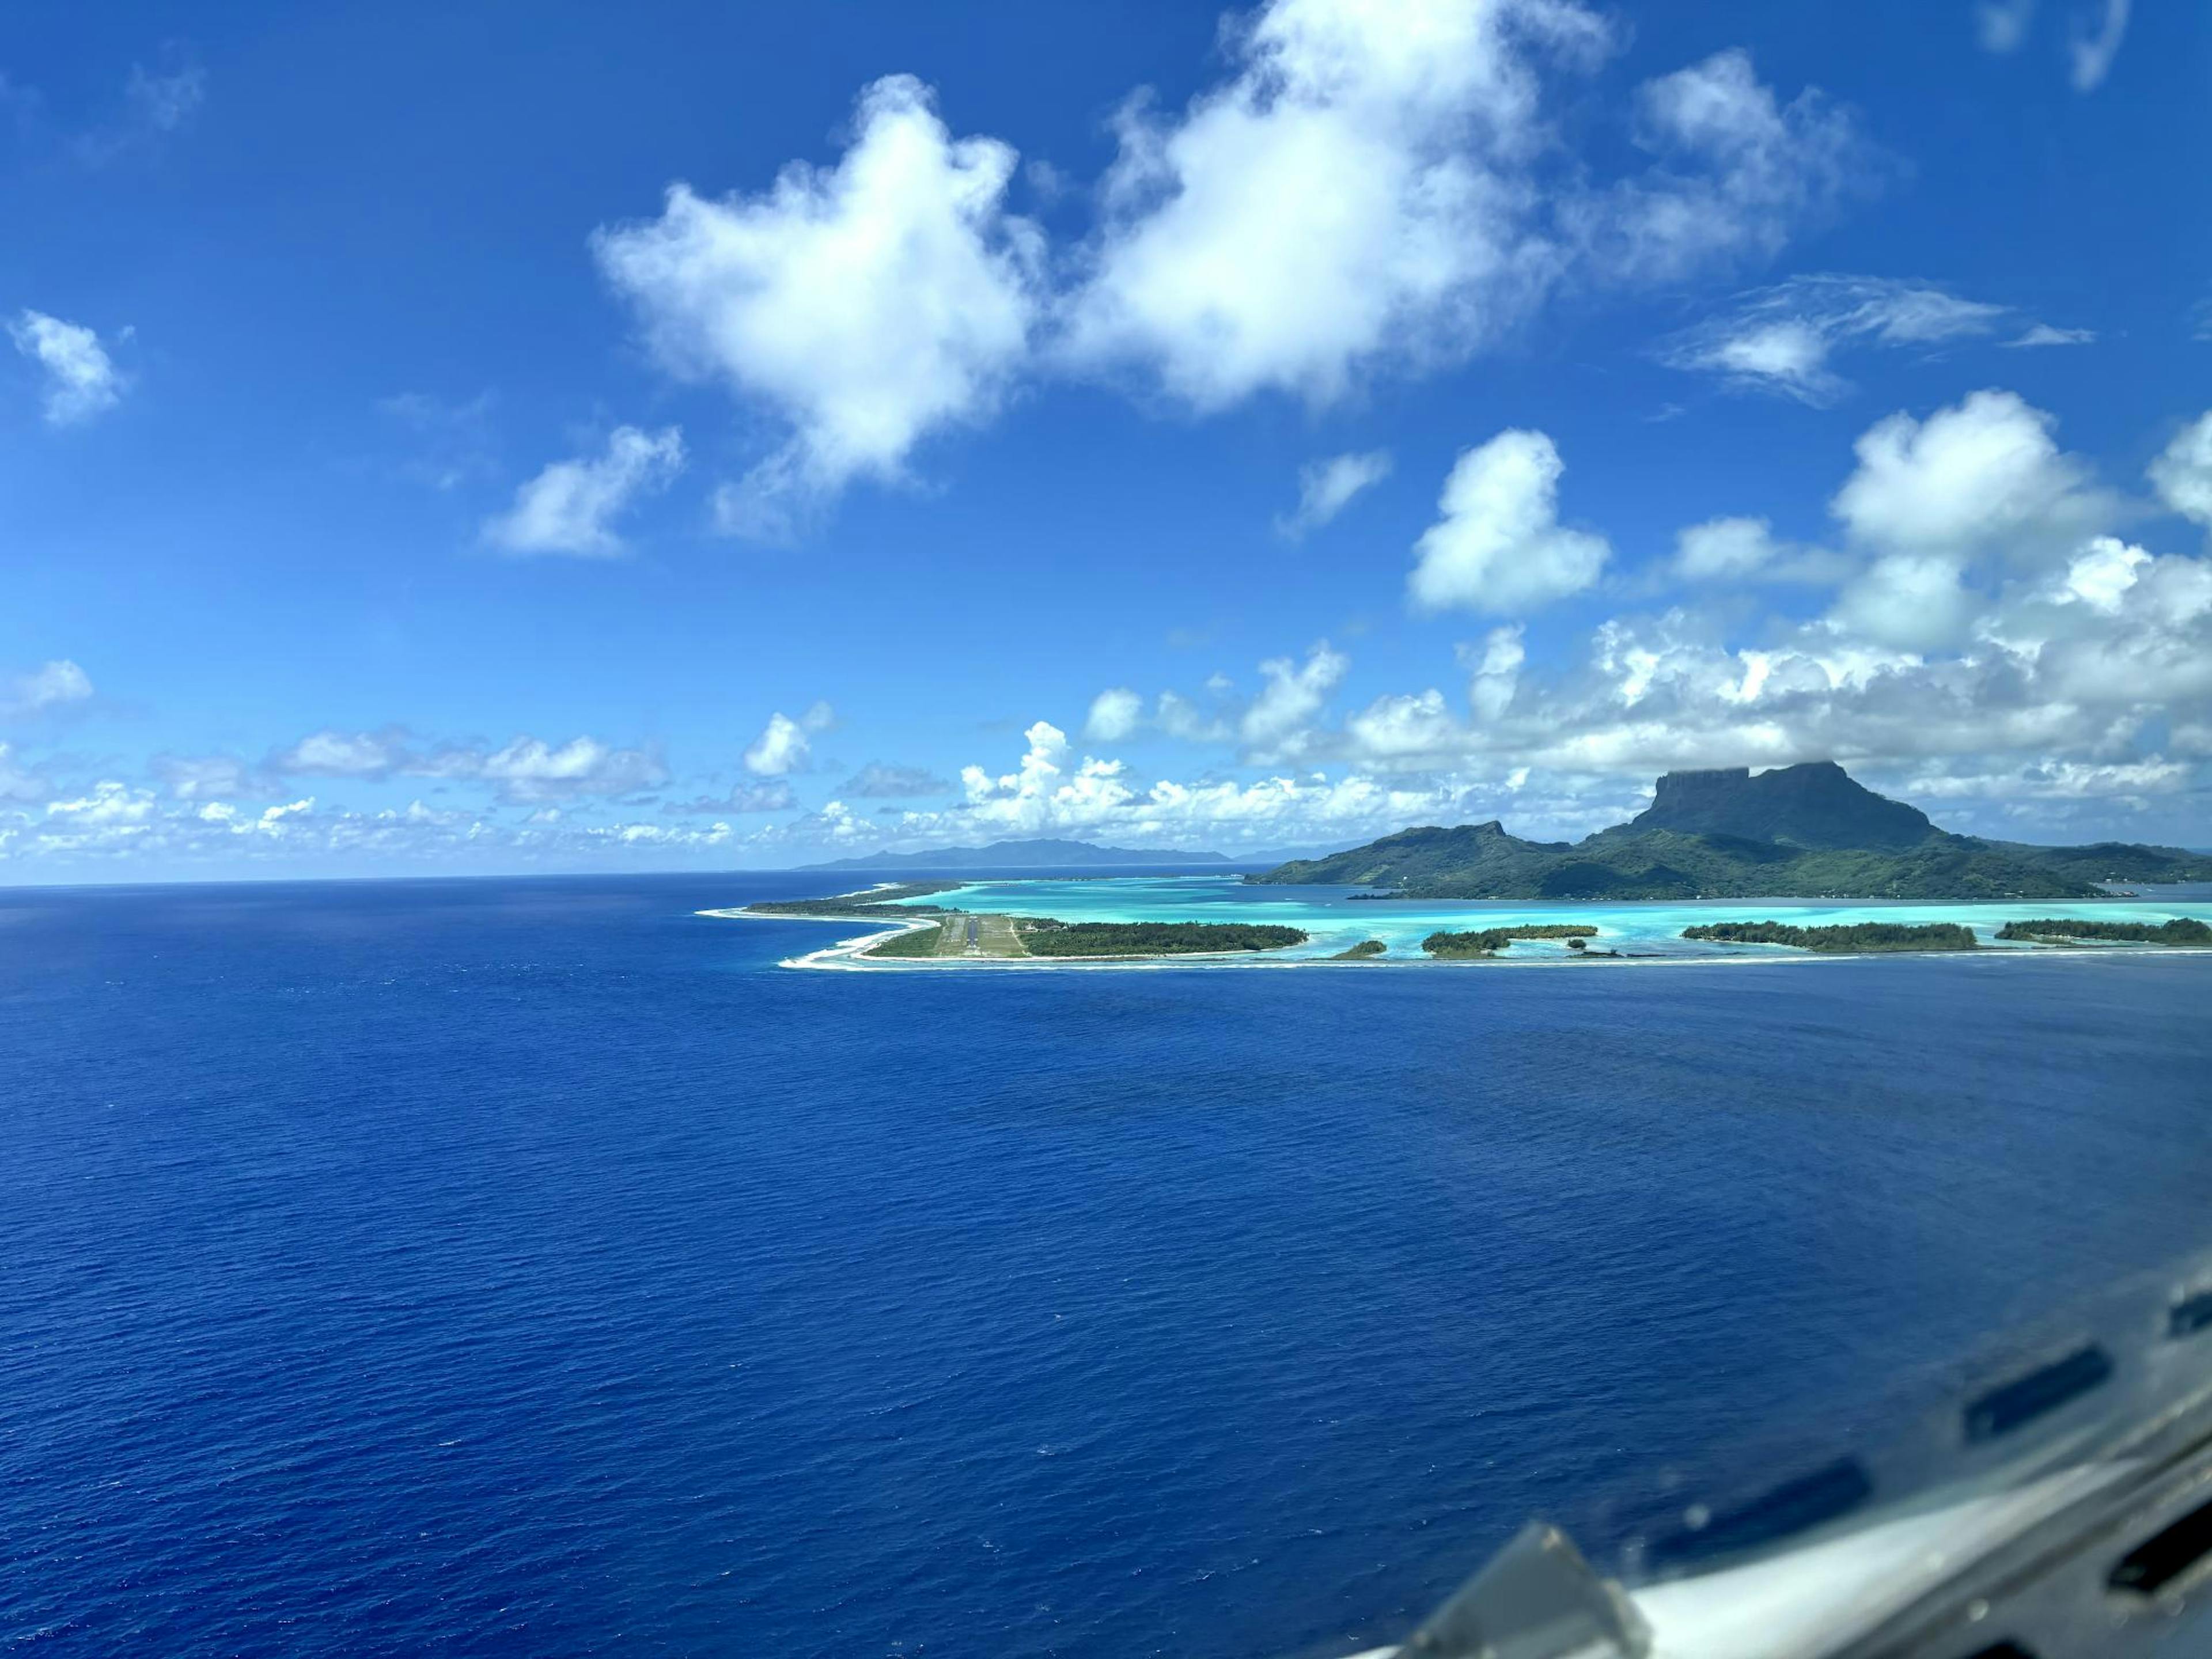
(1816, 804)
(1805, 831)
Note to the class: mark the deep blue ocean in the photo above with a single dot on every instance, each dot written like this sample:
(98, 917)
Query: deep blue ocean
(532, 1267)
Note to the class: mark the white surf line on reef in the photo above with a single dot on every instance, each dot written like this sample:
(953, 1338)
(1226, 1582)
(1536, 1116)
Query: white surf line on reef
(850, 955)
(835, 956)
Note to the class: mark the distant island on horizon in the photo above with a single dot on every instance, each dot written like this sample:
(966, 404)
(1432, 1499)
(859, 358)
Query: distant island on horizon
(1041, 853)
(1805, 831)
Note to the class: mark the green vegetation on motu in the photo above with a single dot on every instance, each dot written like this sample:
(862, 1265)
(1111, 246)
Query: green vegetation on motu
(1847, 939)
(2180, 930)
(875, 901)
(1806, 831)
(915, 942)
(1362, 951)
(1046, 937)
(1490, 940)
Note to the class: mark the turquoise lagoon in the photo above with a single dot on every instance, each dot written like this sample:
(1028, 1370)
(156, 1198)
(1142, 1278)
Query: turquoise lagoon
(1335, 920)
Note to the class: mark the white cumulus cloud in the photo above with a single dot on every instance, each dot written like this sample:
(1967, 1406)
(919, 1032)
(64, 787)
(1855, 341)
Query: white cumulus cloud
(1910, 600)
(107, 803)
(333, 754)
(2182, 474)
(1736, 171)
(868, 305)
(204, 777)
(1722, 549)
(1355, 193)
(1291, 693)
(1193, 722)
(1370, 188)
(55, 685)
(570, 507)
(18, 782)
(1743, 549)
(530, 770)
(1982, 477)
(1984, 473)
(526, 769)
(1497, 671)
(1116, 714)
(1499, 546)
(784, 744)
(82, 380)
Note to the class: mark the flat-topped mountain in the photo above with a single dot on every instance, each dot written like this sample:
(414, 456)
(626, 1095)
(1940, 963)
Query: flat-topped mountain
(1807, 831)
(1816, 804)
(1041, 854)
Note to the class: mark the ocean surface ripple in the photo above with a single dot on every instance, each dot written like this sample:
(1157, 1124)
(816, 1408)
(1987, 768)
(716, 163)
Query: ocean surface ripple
(502, 1266)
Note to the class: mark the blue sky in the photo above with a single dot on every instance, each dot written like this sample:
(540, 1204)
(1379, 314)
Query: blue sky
(692, 436)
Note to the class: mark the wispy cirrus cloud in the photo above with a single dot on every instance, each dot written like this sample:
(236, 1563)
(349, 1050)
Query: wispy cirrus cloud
(571, 506)
(451, 438)
(1327, 487)
(773, 795)
(164, 101)
(2091, 47)
(526, 769)
(530, 770)
(878, 780)
(157, 104)
(1782, 340)
(2039, 335)
(2001, 24)
(2094, 34)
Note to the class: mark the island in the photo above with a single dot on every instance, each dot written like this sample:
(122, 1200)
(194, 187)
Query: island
(1489, 941)
(1804, 831)
(1041, 937)
(1718, 817)
(914, 942)
(887, 900)
(959, 934)
(2062, 930)
(1853, 938)
(936, 932)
